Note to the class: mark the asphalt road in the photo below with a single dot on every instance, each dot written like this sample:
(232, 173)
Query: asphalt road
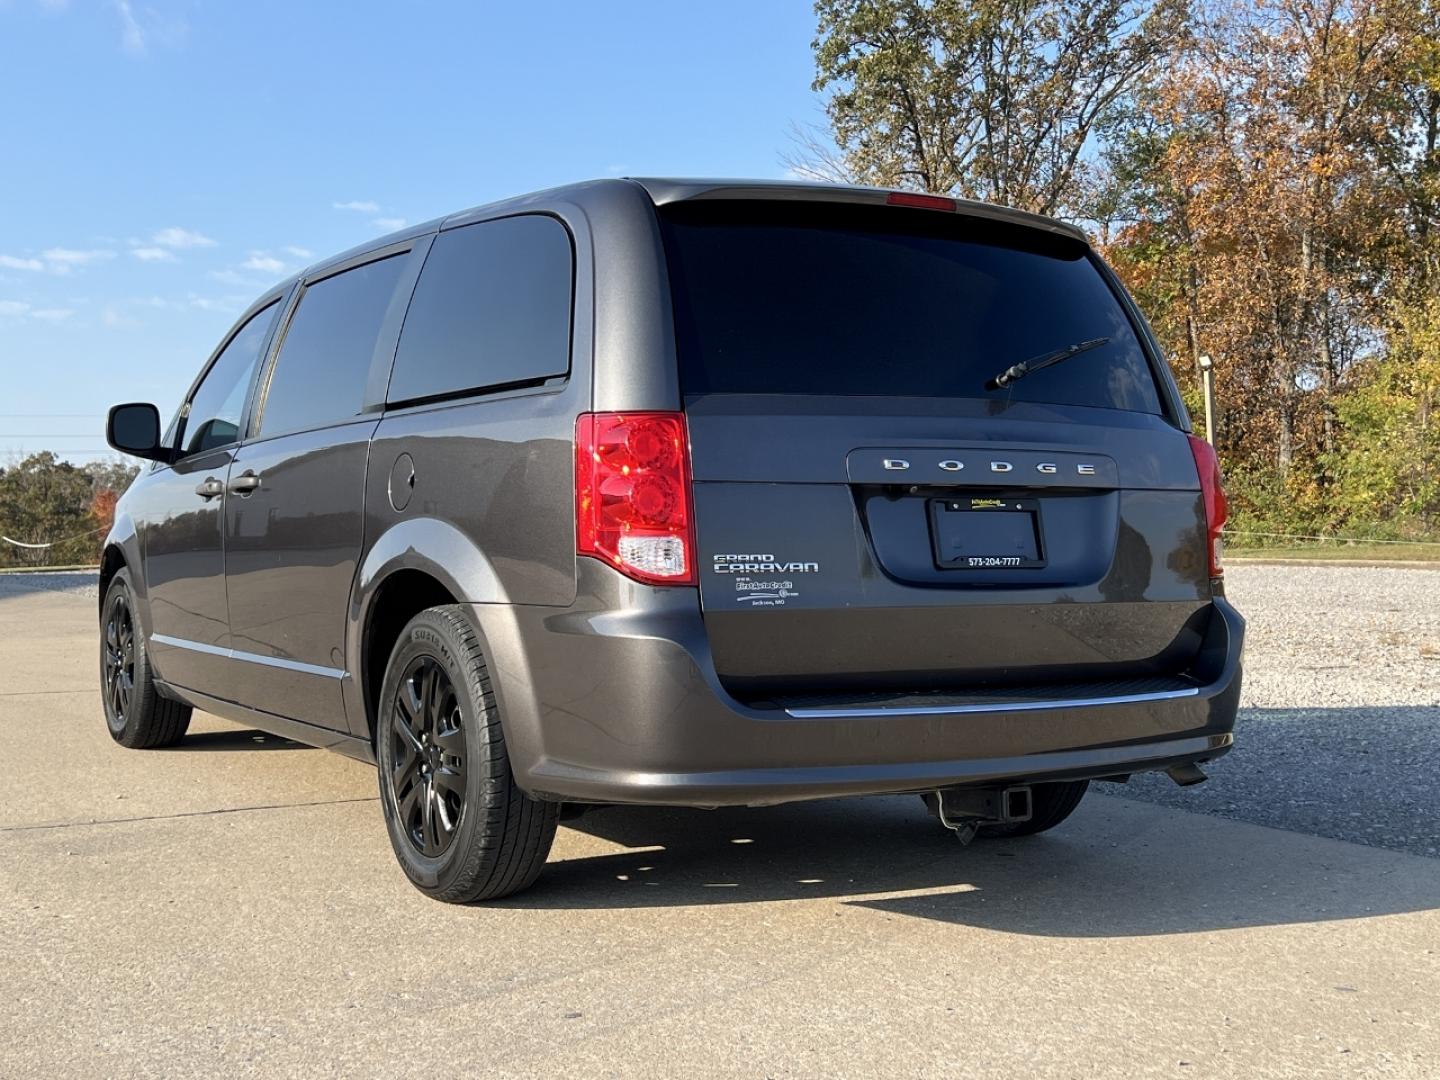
(231, 907)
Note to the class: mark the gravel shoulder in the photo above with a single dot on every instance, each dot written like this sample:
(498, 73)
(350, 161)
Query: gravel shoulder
(81, 582)
(1339, 728)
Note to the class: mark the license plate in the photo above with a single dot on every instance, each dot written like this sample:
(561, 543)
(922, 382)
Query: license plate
(986, 534)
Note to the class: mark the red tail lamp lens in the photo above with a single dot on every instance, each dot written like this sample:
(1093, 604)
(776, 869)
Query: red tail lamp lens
(1212, 490)
(632, 494)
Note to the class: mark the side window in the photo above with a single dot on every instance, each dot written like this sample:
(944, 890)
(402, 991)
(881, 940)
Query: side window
(213, 418)
(319, 376)
(491, 308)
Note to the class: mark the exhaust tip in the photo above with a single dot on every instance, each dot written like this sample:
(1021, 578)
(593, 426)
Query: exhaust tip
(1186, 775)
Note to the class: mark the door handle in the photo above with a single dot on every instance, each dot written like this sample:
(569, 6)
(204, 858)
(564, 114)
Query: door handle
(209, 488)
(245, 483)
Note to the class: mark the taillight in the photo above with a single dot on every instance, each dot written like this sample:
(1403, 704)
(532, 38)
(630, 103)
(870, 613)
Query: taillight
(632, 494)
(1213, 490)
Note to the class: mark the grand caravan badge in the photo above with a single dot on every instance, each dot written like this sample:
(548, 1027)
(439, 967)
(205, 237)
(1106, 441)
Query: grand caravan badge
(760, 564)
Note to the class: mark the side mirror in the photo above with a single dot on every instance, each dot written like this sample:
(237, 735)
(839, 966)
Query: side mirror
(135, 429)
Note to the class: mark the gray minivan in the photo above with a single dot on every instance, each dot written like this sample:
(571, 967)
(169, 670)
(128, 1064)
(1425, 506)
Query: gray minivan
(680, 492)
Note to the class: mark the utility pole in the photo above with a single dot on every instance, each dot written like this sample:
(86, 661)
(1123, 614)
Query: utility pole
(1207, 379)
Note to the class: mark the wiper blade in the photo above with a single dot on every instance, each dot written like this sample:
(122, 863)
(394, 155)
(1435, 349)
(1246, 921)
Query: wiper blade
(1044, 360)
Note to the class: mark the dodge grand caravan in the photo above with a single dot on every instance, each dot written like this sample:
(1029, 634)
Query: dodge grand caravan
(698, 493)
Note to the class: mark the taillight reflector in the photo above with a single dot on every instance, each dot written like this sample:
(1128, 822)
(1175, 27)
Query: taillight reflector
(632, 494)
(923, 202)
(1217, 510)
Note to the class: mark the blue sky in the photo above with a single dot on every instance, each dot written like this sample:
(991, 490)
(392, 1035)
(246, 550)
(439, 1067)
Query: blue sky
(163, 161)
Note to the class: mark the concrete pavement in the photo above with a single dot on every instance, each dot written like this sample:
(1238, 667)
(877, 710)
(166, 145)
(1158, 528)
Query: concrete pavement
(231, 907)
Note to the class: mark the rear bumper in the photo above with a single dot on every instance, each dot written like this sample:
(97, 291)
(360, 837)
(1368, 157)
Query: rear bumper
(616, 700)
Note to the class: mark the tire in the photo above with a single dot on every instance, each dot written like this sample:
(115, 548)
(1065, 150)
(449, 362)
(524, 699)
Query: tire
(1050, 804)
(461, 828)
(136, 713)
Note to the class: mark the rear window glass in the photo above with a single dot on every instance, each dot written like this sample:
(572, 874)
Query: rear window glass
(845, 300)
(491, 308)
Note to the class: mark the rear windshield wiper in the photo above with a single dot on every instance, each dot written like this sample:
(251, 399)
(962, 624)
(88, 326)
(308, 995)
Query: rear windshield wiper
(1044, 360)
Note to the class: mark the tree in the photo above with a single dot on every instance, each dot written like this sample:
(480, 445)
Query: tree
(115, 475)
(1259, 230)
(995, 100)
(1263, 174)
(44, 500)
(1387, 463)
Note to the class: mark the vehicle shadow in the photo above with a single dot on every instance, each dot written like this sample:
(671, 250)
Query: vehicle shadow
(236, 739)
(1118, 868)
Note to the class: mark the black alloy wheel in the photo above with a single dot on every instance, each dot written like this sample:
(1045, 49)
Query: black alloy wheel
(138, 715)
(461, 827)
(427, 769)
(119, 657)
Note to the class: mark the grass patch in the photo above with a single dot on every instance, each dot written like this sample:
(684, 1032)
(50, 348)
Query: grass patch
(1340, 550)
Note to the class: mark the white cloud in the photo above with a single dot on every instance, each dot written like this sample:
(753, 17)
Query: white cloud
(234, 277)
(175, 237)
(132, 38)
(153, 254)
(300, 252)
(19, 309)
(364, 206)
(114, 317)
(56, 260)
(60, 260)
(221, 303)
(143, 26)
(389, 223)
(263, 263)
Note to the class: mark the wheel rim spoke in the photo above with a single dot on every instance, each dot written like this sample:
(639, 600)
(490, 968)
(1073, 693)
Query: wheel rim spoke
(408, 738)
(445, 817)
(408, 804)
(450, 736)
(450, 782)
(406, 766)
(432, 676)
(429, 838)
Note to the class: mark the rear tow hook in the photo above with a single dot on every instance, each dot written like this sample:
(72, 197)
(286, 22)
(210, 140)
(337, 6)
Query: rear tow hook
(963, 810)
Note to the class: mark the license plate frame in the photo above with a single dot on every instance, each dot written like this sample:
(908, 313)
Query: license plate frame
(986, 533)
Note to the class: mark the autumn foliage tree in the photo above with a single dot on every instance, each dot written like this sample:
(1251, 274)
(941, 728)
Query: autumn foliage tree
(990, 99)
(57, 511)
(1264, 174)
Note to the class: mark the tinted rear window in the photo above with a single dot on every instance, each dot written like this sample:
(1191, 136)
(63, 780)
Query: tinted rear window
(492, 308)
(787, 299)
